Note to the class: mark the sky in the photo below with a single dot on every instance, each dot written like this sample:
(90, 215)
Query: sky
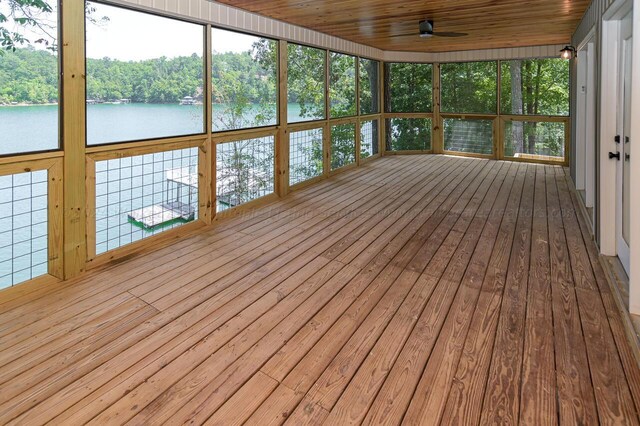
(135, 36)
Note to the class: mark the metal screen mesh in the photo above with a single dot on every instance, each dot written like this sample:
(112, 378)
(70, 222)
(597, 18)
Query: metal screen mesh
(472, 136)
(368, 138)
(23, 227)
(305, 155)
(343, 145)
(529, 139)
(143, 195)
(245, 171)
(408, 134)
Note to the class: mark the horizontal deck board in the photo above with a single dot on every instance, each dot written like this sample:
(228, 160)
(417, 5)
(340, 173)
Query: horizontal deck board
(415, 289)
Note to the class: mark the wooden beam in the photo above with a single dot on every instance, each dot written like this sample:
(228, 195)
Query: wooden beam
(282, 137)
(437, 135)
(74, 138)
(206, 152)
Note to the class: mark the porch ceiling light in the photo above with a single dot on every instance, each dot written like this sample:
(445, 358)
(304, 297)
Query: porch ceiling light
(568, 52)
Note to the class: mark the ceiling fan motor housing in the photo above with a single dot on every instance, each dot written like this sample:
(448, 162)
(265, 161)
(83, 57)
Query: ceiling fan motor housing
(426, 28)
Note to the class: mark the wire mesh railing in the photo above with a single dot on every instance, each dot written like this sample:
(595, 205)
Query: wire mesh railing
(143, 195)
(23, 227)
(305, 155)
(245, 171)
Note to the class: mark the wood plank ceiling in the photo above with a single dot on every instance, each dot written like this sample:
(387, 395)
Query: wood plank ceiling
(393, 25)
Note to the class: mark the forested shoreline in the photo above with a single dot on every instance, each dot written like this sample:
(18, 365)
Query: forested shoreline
(29, 76)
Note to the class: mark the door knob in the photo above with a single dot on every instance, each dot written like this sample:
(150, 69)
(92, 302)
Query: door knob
(616, 155)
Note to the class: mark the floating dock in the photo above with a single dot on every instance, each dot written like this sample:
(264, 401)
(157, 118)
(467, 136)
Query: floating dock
(170, 211)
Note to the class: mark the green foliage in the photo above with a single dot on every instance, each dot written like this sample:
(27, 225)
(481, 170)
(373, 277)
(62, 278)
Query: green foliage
(305, 80)
(544, 87)
(469, 136)
(244, 84)
(409, 134)
(26, 13)
(546, 138)
(244, 170)
(29, 75)
(343, 145)
(305, 155)
(368, 138)
(469, 87)
(342, 85)
(408, 87)
(158, 80)
(369, 86)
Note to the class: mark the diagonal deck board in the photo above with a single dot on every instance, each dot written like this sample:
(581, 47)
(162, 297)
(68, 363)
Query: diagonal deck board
(417, 289)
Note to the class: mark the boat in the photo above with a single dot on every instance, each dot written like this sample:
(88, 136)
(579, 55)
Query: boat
(188, 100)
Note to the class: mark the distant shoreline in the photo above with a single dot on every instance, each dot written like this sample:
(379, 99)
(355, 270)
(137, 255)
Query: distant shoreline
(23, 104)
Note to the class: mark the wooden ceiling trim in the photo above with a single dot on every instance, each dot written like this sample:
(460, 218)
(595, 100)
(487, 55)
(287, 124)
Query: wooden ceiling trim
(391, 26)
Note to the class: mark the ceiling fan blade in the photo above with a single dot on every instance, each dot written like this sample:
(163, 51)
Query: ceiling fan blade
(403, 35)
(448, 34)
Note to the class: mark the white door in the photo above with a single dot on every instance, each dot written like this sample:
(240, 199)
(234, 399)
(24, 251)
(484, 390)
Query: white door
(624, 142)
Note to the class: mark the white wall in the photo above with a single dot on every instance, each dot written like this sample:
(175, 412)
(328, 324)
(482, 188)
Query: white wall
(476, 55)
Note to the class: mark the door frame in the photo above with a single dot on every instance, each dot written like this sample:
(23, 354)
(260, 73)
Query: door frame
(586, 120)
(634, 278)
(608, 82)
(622, 246)
(609, 88)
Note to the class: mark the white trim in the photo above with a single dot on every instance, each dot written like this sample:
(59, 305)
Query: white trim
(608, 127)
(590, 126)
(588, 38)
(581, 119)
(634, 277)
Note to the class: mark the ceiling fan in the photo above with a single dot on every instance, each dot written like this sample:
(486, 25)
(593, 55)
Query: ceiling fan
(426, 31)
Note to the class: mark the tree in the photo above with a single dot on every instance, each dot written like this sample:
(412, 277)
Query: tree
(25, 14)
(535, 87)
(35, 16)
(408, 88)
(244, 87)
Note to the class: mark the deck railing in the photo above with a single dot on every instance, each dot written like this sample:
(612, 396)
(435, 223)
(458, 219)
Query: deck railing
(109, 201)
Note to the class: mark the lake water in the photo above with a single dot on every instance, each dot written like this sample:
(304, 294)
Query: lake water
(23, 246)
(35, 128)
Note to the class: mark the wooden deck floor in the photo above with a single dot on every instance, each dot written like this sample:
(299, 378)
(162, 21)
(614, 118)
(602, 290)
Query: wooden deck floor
(416, 290)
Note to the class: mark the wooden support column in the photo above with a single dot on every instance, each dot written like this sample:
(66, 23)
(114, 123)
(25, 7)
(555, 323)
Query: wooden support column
(382, 126)
(437, 137)
(358, 124)
(73, 137)
(498, 126)
(206, 152)
(326, 140)
(282, 137)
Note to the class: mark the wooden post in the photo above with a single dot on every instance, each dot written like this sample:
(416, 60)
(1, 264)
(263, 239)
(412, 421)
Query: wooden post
(358, 124)
(382, 126)
(437, 138)
(206, 152)
(327, 132)
(498, 143)
(73, 137)
(55, 208)
(282, 139)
